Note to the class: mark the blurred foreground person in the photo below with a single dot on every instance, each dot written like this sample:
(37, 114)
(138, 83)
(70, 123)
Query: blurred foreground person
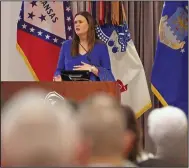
(37, 134)
(103, 126)
(168, 130)
(133, 151)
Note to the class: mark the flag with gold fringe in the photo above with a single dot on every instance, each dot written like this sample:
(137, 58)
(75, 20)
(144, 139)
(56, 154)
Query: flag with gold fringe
(126, 64)
(170, 69)
(41, 29)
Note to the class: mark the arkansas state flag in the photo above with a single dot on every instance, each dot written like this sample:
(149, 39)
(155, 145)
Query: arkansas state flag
(42, 28)
(126, 66)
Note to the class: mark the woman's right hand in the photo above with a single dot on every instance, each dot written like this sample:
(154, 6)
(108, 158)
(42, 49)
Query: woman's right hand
(57, 78)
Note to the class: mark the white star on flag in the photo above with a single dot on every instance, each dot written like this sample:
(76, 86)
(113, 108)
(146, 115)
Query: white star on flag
(19, 18)
(69, 28)
(32, 29)
(39, 33)
(24, 26)
(68, 19)
(68, 9)
(44, 25)
(69, 37)
(55, 40)
(182, 50)
(47, 36)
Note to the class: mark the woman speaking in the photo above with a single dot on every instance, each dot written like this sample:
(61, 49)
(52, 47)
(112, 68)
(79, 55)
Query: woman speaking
(85, 52)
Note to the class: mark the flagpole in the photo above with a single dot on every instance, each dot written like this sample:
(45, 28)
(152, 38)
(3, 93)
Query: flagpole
(124, 13)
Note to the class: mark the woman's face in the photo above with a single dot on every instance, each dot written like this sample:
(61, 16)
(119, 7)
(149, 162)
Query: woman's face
(81, 25)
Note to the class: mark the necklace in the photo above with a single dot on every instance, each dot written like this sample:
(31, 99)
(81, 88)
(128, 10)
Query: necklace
(83, 47)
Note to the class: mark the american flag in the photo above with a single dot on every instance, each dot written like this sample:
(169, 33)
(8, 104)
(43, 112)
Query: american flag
(42, 28)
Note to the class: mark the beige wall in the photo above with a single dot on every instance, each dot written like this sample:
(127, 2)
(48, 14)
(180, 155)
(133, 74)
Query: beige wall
(13, 67)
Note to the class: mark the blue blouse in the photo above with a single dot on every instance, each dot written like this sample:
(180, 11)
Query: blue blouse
(99, 57)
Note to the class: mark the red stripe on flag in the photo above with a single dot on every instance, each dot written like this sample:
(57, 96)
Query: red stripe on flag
(42, 56)
(90, 11)
(101, 12)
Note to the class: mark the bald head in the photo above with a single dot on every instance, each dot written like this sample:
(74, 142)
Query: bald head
(37, 134)
(102, 121)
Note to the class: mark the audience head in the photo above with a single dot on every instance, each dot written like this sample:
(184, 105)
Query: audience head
(132, 128)
(168, 130)
(38, 134)
(102, 123)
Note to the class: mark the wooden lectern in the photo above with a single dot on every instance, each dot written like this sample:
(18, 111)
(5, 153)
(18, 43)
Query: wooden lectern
(76, 91)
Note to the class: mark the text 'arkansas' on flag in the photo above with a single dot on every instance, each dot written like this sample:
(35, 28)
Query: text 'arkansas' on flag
(170, 69)
(42, 28)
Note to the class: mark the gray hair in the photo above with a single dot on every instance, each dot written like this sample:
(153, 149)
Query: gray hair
(102, 121)
(38, 134)
(168, 130)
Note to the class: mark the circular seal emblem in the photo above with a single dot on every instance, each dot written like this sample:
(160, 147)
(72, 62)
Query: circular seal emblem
(53, 98)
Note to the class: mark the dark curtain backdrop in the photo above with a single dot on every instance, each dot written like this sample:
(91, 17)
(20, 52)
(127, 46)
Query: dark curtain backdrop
(143, 21)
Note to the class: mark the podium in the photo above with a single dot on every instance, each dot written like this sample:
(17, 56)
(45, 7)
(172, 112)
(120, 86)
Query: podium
(76, 91)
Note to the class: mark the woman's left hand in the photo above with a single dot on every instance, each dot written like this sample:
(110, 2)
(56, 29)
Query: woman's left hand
(83, 67)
